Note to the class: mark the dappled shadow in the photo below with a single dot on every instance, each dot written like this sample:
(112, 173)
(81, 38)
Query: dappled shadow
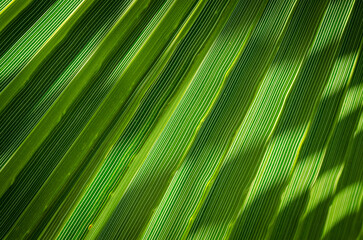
(226, 200)
(287, 226)
(297, 205)
(254, 221)
(352, 175)
(132, 210)
(306, 90)
(339, 231)
(237, 190)
(350, 46)
(247, 228)
(314, 222)
(350, 225)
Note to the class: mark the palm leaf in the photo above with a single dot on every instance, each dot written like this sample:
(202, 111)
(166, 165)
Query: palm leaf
(171, 119)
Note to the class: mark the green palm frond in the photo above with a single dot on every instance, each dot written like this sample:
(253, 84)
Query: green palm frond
(181, 119)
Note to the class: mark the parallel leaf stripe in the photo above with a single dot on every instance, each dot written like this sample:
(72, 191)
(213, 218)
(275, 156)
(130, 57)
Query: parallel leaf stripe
(293, 124)
(162, 138)
(63, 103)
(174, 119)
(236, 171)
(21, 52)
(160, 88)
(314, 147)
(194, 176)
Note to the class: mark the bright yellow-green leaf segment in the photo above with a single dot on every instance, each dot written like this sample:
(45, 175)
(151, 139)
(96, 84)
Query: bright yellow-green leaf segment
(181, 119)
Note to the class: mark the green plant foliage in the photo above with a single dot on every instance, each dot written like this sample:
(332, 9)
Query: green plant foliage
(181, 119)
